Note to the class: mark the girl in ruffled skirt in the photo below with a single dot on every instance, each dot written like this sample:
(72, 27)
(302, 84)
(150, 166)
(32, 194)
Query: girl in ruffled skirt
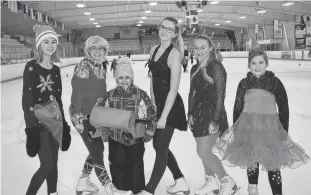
(259, 134)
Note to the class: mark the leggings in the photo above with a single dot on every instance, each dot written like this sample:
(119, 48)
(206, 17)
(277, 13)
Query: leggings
(164, 157)
(212, 164)
(95, 159)
(48, 156)
(275, 179)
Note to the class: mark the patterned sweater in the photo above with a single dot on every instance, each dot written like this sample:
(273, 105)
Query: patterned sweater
(268, 82)
(88, 84)
(133, 99)
(40, 85)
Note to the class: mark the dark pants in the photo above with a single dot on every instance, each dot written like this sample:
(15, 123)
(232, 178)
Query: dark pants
(127, 166)
(275, 179)
(164, 157)
(48, 156)
(95, 158)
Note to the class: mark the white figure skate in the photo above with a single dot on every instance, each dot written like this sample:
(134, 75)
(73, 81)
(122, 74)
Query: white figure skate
(180, 186)
(210, 187)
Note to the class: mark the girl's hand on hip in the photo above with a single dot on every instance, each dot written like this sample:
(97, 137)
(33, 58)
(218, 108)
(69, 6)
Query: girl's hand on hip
(190, 121)
(213, 128)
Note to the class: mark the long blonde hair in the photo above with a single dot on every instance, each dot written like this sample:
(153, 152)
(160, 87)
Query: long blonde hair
(38, 55)
(210, 59)
(177, 41)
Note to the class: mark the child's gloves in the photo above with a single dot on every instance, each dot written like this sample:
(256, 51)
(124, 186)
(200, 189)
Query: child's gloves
(33, 142)
(66, 137)
(77, 121)
(213, 128)
(88, 127)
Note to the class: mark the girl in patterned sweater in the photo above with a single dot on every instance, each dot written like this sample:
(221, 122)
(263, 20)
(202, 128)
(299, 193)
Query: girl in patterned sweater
(125, 152)
(46, 127)
(259, 134)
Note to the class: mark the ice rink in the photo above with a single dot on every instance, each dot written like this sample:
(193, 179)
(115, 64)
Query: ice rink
(18, 168)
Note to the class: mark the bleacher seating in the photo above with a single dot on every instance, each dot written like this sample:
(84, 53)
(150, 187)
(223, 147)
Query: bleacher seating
(12, 50)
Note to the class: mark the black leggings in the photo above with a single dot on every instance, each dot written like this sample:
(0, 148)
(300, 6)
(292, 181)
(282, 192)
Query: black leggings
(275, 179)
(48, 155)
(164, 157)
(95, 158)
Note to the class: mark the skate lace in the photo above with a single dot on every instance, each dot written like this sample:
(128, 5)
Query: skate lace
(206, 184)
(224, 185)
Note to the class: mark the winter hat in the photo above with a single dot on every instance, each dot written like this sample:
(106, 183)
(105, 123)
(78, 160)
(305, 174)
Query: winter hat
(124, 68)
(256, 51)
(42, 32)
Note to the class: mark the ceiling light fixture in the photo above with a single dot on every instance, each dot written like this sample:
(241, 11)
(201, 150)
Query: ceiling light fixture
(80, 5)
(87, 13)
(92, 19)
(242, 17)
(148, 11)
(261, 11)
(180, 21)
(95, 23)
(153, 3)
(97, 26)
(140, 22)
(217, 24)
(188, 16)
(228, 21)
(143, 18)
(214, 2)
(200, 10)
(288, 4)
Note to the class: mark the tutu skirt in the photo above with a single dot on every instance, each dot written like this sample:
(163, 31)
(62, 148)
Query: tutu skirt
(259, 138)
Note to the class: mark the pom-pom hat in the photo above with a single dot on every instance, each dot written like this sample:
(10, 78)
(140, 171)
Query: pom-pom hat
(42, 32)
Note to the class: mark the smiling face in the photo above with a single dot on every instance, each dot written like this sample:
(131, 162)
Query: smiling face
(124, 81)
(97, 53)
(167, 30)
(48, 46)
(201, 49)
(258, 65)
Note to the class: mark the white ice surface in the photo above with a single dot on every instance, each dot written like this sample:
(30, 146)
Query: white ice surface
(18, 168)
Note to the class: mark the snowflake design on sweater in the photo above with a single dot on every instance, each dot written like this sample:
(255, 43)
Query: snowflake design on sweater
(45, 83)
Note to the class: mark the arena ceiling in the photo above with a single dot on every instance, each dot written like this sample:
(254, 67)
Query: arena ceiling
(227, 14)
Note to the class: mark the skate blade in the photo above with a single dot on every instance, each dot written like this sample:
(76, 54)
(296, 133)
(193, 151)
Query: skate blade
(180, 192)
(86, 192)
(236, 190)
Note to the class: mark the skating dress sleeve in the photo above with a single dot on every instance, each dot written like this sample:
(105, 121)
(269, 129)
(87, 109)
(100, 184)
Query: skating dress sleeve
(282, 102)
(220, 78)
(191, 99)
(28, 95)
(79, 82)
(239, 100)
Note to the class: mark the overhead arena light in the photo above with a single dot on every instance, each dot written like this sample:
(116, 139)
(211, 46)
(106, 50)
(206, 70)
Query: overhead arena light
(97, 26)
(143, 18)
(288, 4)
(140, 22)
(228, 21)
(92, 19)
(261, 11)
(87, 13)
(80, 5)
(148, 11)
(214, 2)
(95, 23)
(153, 3)
(200, 10)
(217, 24)
(180, 21)
(242, 17)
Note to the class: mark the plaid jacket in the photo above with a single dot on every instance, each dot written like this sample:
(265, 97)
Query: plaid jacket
(133, 99)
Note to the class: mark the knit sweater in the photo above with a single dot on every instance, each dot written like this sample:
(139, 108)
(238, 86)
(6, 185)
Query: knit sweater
(88, 84)
(133, 99)
(268, 82)
(40, 85)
